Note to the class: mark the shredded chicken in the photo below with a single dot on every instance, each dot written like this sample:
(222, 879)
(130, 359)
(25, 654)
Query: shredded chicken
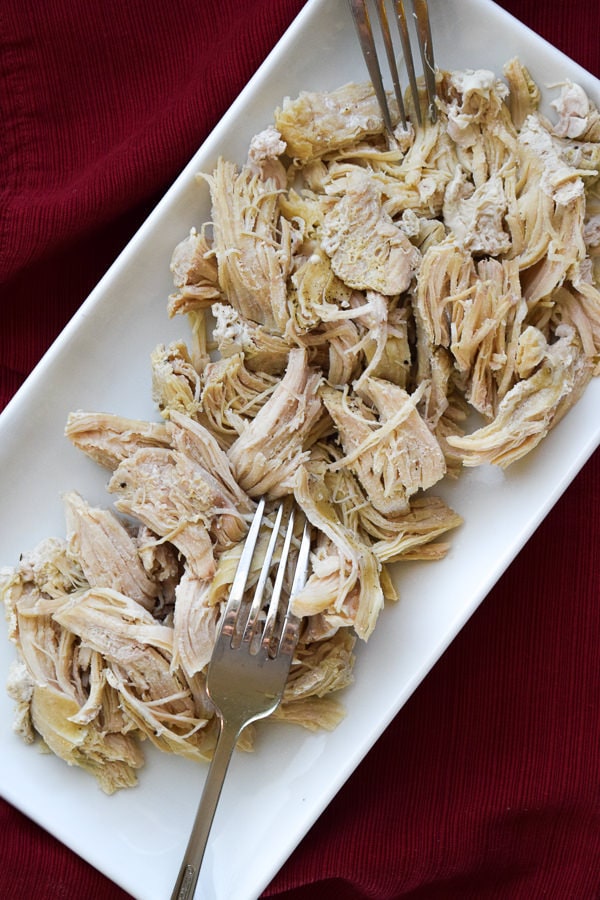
(108, 554)
(532, 406)
(195, 276)
(252, 244)
(367, 249)
(109, 439)
(266, 456)
(387, 444)
(317, 123)
(350, 303)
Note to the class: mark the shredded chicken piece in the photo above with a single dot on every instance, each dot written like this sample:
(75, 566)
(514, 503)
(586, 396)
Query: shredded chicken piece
(175, 381)
(252, 244)
(573, 108)
(367, 249)
(476, 214)
(194, 625)
(112, 758)
(196, 442)
(524, 94)
(109, 439)
(349, 588)
(390, 448)
(161, 563)
(109, 556)
(319, 670)
(262, 350)
(69, 703)
(232, 394)
(317, 123)
(20, 686)
(169, 493)
(319, 296)
(413, 535)
(263, 156)
(266, 456)
(531, 407)
(578, 305)
(138, 650)
(195, 275)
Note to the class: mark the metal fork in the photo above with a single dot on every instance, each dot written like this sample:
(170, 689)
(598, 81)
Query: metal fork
(249, 667)
(362, 21)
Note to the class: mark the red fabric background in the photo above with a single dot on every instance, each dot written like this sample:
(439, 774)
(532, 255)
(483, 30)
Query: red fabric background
(485, 786)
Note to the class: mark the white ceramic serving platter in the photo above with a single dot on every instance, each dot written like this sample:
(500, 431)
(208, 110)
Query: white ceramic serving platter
(101, 361)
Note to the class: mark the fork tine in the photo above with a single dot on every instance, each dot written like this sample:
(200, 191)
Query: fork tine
(408, 57)
(391, 58)
(362, 22)
(289, 634)
(302, 561)
(426, 47)
(271, 620)
(240, 621)
(259, 589)
(420, 13)
(238, 585)
(276, 630)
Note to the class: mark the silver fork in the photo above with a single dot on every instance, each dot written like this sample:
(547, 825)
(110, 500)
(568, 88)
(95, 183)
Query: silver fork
(366, 37)
(249, 667)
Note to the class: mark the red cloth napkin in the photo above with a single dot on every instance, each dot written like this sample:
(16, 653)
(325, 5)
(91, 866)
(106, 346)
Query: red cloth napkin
(485, 786)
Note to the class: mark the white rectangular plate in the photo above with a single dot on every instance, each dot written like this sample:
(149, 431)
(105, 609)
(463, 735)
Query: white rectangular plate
(101, 361)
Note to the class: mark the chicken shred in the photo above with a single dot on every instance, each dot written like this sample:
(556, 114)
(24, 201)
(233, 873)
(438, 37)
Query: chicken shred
(367, 250)
(351, 302)
(266, 456)
(252, 244)
(109, 439)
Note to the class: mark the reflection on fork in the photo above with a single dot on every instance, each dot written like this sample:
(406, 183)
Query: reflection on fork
(251, 658)
(366, 36)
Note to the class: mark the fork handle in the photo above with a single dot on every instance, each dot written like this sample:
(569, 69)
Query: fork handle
(192, 859)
